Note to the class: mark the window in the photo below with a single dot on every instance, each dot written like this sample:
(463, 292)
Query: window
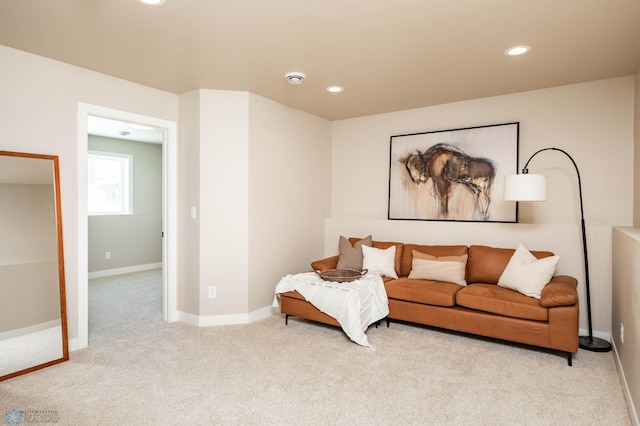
(109, 183)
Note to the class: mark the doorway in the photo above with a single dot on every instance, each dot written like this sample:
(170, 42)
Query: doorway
(169, 211)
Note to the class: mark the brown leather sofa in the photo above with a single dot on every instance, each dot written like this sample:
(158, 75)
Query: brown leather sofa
(482, 307)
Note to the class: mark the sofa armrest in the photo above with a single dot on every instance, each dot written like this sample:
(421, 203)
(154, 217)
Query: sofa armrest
(561, 291)
(325, 264)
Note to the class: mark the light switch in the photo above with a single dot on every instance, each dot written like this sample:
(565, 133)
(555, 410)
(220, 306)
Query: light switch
(193, 212)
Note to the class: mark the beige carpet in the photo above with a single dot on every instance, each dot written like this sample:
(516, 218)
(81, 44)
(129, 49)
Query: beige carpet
(141, 371)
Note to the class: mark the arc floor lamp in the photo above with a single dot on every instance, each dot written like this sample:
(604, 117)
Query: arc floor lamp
(533, 187)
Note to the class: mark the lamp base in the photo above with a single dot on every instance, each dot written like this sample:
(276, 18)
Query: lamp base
(594, 344)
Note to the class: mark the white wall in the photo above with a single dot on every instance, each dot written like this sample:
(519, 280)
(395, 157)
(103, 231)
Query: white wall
(39, 105)
(224, 201)
(626, 287)
(592, 121)
(636, 144)
(262, 173)
(289, 194)
(626, 311)
(188, 197)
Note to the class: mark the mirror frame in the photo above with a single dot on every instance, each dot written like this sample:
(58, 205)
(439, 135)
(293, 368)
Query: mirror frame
(61, 276)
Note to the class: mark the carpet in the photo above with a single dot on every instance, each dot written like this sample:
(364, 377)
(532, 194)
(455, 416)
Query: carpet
(139, 370)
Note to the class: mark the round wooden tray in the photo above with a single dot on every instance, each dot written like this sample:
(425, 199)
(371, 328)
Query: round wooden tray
(341, 275)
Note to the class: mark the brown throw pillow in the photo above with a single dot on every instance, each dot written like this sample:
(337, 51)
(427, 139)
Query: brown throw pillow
(351, 256)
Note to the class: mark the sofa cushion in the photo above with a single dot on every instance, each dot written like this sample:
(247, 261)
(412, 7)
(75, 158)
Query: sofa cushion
(486, 264)
(381, 261)
(439, 268)
(384, 245)
(438, 251)
(501, 301)
(527, 274)
(428, 292)
(351, 254)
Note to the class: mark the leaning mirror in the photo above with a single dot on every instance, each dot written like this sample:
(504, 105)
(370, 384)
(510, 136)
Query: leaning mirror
(33, 319)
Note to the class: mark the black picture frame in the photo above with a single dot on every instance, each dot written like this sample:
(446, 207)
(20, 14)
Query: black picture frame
(453, 175)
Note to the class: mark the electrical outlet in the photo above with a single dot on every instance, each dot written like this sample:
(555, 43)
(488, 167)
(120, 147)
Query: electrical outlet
(212, 292)
(107, 255)
(621, 333)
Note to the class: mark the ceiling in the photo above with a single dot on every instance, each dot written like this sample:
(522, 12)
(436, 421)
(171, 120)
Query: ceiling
(389, 55)
(101, 126)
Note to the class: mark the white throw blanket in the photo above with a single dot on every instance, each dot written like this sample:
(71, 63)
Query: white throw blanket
(355, 305)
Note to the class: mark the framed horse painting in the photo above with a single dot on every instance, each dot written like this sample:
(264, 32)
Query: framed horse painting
(453, 175)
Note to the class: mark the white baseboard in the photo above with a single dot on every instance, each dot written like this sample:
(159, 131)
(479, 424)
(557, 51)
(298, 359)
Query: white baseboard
(598, 334)
(73, 344)
(125, 270)
(633, 413)
(233, 319)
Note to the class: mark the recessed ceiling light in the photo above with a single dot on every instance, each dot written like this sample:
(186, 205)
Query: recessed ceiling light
(517, 50)
(152, 2)
(335, 89)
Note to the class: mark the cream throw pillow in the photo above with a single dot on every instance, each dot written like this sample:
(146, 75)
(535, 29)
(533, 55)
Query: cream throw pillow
(438, 268)
(380, 261)
(527, 274)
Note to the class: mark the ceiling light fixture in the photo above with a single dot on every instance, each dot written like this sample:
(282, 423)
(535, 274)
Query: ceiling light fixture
(153, 2)
(295, 77)
(517, 50)
(335, 89)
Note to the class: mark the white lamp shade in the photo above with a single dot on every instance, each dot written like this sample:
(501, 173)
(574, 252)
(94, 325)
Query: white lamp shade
(525, 187)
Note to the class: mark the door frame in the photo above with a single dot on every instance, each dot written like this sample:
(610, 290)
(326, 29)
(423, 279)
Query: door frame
(169, 212)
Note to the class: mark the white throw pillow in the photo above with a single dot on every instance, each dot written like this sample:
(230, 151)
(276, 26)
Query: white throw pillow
(449, 269)
(527, 274)
(380, 261)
